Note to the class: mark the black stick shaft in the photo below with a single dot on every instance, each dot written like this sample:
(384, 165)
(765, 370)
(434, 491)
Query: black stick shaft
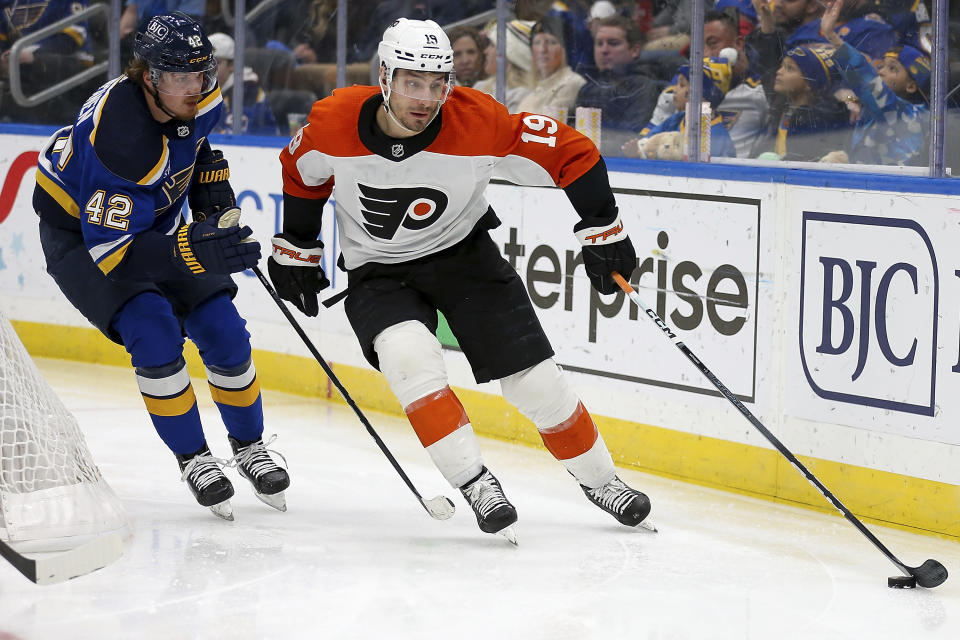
(336, 382)
(722, 388)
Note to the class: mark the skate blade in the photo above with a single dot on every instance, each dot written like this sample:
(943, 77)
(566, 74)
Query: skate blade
(277, 500)
(510, 533)
(223, 510)
(646, 525)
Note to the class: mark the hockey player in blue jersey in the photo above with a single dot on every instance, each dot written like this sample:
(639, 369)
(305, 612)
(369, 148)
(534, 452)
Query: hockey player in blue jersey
(110, 190)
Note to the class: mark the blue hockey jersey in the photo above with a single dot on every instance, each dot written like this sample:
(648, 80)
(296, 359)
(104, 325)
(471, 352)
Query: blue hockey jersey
(117, 172)
(21, 17)
(868, 34)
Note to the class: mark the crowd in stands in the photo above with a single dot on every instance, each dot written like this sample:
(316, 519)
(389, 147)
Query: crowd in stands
(846, 81)
(811, 80)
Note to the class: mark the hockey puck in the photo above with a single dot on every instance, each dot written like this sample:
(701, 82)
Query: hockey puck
(901, 582)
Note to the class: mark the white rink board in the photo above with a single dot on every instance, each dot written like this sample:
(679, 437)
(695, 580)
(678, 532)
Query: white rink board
(745, 238)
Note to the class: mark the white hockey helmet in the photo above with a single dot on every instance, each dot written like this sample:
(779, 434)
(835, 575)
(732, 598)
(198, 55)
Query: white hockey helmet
(416, 45)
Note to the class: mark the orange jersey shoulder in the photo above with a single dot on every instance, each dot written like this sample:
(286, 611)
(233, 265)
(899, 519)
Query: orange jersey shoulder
(331, 130)
(474, 124)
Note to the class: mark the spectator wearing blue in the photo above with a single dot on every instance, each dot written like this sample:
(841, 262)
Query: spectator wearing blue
(717, 78)
(861, 24)
(135, 13)
(617, 84)
(776, 23)
(746, 13)
(258, 119)
(894, 116)
(744, 109)
(44, 63)
(812, 123)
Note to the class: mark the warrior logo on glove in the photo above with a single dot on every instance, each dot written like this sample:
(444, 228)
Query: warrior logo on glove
(386, 209)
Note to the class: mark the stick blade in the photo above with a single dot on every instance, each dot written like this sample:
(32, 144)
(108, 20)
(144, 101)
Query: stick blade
(85, 559)
(930, 574)
(439, 507)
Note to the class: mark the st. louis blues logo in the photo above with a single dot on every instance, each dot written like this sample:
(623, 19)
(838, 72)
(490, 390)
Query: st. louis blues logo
(386, 209)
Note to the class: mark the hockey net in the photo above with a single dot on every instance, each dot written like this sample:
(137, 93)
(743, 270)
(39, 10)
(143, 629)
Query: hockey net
(52, 496)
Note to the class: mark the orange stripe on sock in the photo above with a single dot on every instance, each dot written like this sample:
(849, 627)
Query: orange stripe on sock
(437, 415)
(572, 437)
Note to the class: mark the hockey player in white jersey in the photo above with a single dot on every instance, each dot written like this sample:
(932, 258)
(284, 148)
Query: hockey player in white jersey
(411, 160)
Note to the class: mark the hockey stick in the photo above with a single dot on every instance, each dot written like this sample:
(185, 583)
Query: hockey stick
(930, 574)
(439, 507)
(59, 567)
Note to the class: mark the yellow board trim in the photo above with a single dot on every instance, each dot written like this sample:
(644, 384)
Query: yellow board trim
(169, 407)
(238, 397)
(58, 194)
(881, 497)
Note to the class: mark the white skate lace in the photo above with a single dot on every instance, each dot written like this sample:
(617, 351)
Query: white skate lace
(203, 470)
(485, 495)
(255, 458)
(614, 495)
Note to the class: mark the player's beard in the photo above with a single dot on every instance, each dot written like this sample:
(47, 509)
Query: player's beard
(418, 124)
(187, 110)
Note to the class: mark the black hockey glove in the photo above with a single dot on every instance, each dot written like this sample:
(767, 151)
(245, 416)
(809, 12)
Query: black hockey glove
(296, 273)
(210, 190)
(216, 245)
(606, 248)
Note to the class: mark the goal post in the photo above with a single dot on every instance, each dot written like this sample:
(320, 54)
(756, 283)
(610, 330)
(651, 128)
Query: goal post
(52, 495)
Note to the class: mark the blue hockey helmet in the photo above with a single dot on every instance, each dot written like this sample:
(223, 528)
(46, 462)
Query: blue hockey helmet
(179, 54)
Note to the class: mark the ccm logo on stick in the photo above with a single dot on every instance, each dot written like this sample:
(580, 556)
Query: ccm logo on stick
(869, 291)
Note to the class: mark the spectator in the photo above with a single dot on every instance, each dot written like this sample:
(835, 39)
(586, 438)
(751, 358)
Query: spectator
(745, 11)
(894, 115)
(860, 24)
(556, 85)
(812, 123)
(744, 108)
(45, 63)
(468, 60)
(519, 64)
(671, 24)
(616, 84)
(135, 13)
(776, 24)
(258, 119)
(717, 76)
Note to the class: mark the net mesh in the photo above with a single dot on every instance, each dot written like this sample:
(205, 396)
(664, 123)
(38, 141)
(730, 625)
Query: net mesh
(50, 488)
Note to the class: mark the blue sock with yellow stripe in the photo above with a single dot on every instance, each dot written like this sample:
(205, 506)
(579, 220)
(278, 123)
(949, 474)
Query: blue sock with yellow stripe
(172, 405)
(236, 391)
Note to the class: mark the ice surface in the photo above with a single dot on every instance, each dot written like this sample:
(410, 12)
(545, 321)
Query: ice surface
(355, 556)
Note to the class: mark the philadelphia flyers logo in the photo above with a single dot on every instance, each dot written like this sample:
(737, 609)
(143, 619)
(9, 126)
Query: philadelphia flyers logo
(386, 209)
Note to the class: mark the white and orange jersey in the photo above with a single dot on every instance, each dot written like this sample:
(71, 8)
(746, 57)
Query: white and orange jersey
(402, 199)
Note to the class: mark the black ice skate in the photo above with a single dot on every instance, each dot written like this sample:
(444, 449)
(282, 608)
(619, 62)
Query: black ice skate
(627, 505)
(201, 471)
(255, 464)
(494, 512)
